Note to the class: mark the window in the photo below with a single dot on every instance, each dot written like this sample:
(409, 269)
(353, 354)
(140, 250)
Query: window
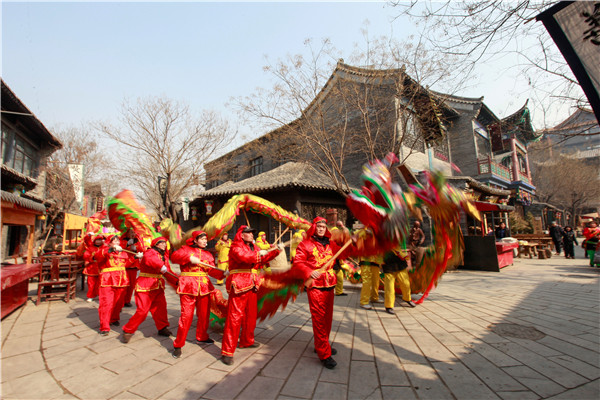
(234, 174)
(17, 153)
(256, 166)
(412, 137)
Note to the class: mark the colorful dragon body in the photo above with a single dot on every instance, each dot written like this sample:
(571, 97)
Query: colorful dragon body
(381, 206)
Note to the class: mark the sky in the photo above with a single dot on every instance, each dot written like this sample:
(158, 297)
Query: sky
(74, 62)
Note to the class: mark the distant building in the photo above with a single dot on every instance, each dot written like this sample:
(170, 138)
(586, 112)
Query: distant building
(26, 144)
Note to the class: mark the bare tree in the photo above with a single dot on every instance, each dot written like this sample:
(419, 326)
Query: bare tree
(484, 32)
(336, 120)
(564, 180)
(160, 139)
(78, 148)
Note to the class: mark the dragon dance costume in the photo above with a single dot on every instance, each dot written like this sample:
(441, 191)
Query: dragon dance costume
(242, 285)
(150, 290)
(133, 264)
(113, 284)
(91, 269)
(194, 289)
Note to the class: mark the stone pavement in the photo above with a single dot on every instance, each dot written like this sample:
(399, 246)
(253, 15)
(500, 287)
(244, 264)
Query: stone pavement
(528, 332)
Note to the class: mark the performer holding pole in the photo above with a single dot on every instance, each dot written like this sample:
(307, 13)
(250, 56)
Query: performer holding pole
(243, 284)
(194, 288)
(130, 241)
(314, 258)
(113, 283)
(150, 291)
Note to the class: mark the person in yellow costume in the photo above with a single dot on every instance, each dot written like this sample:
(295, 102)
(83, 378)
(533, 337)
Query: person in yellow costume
(296, 239)
(222, 247)
(263, 244)
(369, 273)
(395, 269)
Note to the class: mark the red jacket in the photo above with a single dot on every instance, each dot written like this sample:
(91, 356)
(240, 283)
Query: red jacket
(194, 278)
(136, 247)
(150, 276)
(244, 264)
(312, 255)
(112, 267)
(91, 258)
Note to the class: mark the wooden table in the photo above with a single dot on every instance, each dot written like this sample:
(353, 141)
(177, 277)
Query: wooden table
(15, 285)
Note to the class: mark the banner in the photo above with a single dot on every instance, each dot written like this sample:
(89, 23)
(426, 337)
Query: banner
(77, 171)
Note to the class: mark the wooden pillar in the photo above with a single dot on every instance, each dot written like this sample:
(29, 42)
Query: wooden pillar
(30, 242)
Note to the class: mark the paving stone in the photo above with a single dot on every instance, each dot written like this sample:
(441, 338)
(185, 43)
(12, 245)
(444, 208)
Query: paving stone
(262, 388)
(303, 379)
(583, 354)
(575, 365)
(462, 382)
(364, 381)
(548, 368)
(408, 352)
(39, 385)
(490, 374)
(362, 348)
(397, 392)
(590, 390)
(283, 362)
(330, 391)
(195, 388)
(389, 367)
(15, 345)
(21, 365)
(430, 346)
(242, 374)
(426, 382)
(527, 395)
(536, 382)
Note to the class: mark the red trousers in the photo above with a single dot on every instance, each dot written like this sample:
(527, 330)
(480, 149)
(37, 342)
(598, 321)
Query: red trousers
(153, 301)
(241, 314)
(321, 311)
(111, 304)
(132, 276)
(202, 306)
(93, 285)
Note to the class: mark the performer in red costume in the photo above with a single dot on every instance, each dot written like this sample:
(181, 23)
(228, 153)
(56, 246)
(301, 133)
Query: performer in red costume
(245, 259)
(194, 288)
(130, 241)
(113, 283)
(150, 291)
(91, 265)
(312, 254)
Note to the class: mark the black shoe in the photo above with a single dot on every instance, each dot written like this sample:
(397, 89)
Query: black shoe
(333, 351)
(127, 337)
(227, 360)
(115, 323)
(329, 363)
(176, 352)
(104, 333)
(410, 303)
(164, 332)
(391, 310)
(127, 305)
(209, 340)
(342, 294)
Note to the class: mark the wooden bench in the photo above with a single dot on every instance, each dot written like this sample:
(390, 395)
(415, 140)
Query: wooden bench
(538, 245)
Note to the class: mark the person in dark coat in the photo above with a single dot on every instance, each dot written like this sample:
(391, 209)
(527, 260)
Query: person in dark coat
(569, 242)
(501, 231)
(556, 233)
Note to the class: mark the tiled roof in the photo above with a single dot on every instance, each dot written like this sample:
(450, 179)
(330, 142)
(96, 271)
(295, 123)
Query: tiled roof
(21, 201)
(289, 175)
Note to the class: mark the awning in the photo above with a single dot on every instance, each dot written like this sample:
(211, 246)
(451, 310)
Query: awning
(23, 202)
(485, 206)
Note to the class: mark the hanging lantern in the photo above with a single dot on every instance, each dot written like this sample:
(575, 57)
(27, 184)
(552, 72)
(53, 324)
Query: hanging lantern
(209, 206)
(194, 211)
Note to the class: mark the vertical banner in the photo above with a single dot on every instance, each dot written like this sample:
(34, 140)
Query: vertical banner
(77, 171)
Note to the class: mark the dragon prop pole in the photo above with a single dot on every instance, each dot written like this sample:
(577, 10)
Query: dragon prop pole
(329, 263)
